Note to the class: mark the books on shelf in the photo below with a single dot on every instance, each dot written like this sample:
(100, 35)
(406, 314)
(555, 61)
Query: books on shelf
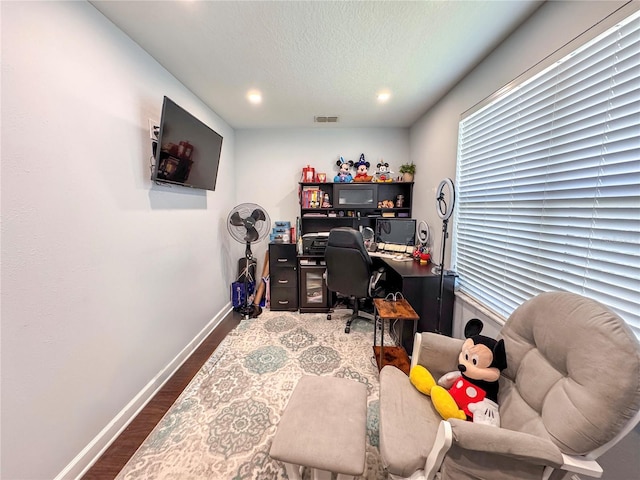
(311, 197)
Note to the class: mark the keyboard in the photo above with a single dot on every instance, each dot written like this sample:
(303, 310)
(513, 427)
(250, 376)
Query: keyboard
(402, 257)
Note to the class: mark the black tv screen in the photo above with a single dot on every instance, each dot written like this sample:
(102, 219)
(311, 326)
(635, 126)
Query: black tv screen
(398, 231)
(188, 151)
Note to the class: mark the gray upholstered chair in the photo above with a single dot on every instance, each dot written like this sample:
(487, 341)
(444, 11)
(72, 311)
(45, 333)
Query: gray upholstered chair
(571, 390)
(350, 269)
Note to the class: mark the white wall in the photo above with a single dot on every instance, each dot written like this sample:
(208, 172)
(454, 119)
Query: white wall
(105, 277)
(434, 144)
(270, 162)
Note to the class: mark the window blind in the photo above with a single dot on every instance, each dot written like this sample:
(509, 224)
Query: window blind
(548, 183)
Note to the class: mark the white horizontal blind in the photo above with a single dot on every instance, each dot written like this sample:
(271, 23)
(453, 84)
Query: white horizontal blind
(548, 183)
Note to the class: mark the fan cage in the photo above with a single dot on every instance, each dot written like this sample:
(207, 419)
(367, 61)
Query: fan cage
(239, 232)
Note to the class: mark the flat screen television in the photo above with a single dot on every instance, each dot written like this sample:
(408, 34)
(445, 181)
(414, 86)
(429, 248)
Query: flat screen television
(188, 151)
(398, 231)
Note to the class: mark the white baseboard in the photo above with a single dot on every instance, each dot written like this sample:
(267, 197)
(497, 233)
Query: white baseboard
(92, 452)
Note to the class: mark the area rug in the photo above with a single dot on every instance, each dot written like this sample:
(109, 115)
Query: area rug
(222, 425)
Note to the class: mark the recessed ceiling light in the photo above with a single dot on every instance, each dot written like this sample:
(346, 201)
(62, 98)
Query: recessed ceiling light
(254, 96)
(384, 96)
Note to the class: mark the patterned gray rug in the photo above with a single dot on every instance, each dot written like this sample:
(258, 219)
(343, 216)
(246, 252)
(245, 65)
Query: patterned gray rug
(222, 425)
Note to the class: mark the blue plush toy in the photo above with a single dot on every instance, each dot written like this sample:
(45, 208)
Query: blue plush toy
(343, 176)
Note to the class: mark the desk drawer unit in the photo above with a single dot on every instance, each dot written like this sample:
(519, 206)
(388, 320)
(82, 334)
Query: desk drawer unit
(283, 275)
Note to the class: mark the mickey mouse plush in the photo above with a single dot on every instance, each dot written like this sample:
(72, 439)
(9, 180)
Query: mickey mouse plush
(361, 170)
(383, 174)
(471, 392)
(343, 175)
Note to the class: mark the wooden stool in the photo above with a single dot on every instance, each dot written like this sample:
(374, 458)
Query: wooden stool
(323, 427)
(388, 309)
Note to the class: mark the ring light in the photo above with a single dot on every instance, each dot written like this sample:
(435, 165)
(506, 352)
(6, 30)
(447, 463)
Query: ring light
(445, 209)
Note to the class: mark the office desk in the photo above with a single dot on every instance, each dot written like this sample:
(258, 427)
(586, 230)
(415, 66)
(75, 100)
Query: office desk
(416, 282)
(421, 288)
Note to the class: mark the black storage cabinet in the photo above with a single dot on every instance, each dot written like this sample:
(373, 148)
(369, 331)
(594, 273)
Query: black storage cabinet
(283, 275)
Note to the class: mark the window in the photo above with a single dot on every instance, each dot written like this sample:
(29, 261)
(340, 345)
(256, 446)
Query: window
(548, 183)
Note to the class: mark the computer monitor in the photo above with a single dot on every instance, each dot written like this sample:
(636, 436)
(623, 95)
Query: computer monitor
(397, 231)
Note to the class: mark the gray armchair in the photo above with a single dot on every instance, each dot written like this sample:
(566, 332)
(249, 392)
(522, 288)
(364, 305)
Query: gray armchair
(571, 390)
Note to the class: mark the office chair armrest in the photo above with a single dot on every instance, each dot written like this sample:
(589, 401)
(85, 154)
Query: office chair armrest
(437, 353)
(373, 281)
(518, 445)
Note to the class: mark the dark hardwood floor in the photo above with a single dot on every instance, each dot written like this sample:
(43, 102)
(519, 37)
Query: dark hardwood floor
(121, 450)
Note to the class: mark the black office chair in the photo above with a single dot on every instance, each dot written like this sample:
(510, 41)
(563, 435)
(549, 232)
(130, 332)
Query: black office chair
(350, 270)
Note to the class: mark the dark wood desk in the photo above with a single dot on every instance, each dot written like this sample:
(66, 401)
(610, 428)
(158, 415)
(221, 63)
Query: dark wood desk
(418, 284)
(421, 287)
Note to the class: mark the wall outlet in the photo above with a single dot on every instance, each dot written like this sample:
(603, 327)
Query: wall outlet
(154, 129)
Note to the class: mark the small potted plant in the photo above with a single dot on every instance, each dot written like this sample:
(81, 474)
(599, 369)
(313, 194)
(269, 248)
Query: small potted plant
(407, 170)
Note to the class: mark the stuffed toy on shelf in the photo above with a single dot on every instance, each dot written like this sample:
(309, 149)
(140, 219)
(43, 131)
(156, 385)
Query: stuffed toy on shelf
(471, 392)
(383, 174)
(343, 176)
(362, 167)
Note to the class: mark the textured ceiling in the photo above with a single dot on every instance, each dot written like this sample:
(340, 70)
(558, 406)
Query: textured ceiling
(318, 57)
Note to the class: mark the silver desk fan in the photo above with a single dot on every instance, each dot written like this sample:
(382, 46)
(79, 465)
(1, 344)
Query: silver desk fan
(248, 223)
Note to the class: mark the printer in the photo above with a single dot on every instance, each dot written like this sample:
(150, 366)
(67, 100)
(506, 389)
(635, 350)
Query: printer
(314, 243)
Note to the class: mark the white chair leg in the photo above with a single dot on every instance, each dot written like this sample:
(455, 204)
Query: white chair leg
(294, 472)
(419, 475)
(321, 474)
(441, 445)
(342, 476)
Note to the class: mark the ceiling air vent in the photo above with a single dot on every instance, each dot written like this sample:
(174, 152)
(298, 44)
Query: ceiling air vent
(325, 119)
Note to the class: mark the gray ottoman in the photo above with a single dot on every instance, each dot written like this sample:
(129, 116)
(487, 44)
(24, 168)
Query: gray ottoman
(324, 428)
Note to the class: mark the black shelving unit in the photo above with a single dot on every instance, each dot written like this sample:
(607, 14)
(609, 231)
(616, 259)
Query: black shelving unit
(352, 204)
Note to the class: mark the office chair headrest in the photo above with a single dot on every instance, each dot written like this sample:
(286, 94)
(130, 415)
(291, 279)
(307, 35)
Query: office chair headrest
(346, 237)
